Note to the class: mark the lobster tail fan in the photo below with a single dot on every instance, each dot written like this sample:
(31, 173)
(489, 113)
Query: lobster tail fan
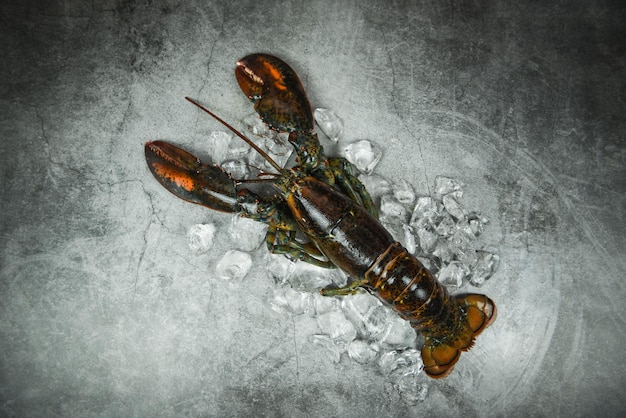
(480, 312)
(440, 357)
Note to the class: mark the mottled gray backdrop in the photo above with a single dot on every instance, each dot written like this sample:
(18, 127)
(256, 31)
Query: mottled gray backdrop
(105, 311)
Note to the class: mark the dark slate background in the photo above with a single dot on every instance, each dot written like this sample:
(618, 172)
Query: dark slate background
(105, 311)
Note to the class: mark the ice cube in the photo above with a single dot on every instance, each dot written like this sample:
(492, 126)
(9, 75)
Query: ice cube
(397, 334)
(219, 143)
(363, 155)
(375, 185)
(403, 367)
(466, 256)
(387, 362)
(333, 347)
(222, 146)
(411, 389)
(463, 233)
(398, 363)
(290, 301)
(337, 277)
(336, 326)
(453, 207)
(427, 238)
(280, 268)
(476, 226)
(254, 124)
(376, 322)
(329, 123)
(463, 243)
(259, 162)
(403, 192)
(238, 170)
(246, 233)
(357, 308)
(362, 351)
(394, 226)
(447, 185)
(201, 237)
(443, 252)
(409, 238)
(358, 304)
(278, 147)
(453, 274)
(323, 304)
(477, 222)
(234, 265)
(425, 208)
(486, 265)
(312, 278)
(390, 206)
(446, 227)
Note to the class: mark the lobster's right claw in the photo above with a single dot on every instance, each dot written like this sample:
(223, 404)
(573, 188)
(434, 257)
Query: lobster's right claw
(276, 91)
(185, 176)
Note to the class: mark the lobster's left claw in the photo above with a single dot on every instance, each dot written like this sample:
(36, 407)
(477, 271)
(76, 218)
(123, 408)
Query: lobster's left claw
(276, 91)
(185, 176)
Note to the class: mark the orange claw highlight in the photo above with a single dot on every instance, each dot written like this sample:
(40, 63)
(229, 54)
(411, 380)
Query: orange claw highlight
(186, 177)
(439, 357)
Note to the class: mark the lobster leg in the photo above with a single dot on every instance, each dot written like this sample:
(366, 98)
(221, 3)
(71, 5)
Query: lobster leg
(282, 241)
(343, 171)
(349, 289)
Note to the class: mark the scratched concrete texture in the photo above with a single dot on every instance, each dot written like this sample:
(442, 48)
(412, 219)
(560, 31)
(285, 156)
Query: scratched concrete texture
(104, 310)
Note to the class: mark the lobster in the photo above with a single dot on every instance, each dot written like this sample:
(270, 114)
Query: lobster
(321, 198)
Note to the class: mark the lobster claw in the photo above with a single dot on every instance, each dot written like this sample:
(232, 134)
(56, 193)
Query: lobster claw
(185, 176)
(276, 91)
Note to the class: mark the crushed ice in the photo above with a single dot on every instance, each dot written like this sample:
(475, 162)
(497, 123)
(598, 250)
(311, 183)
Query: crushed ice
(219, 144)
(363, 155)
(200, 238)
(234, 265)
(329, 123)
(362, 352)
(247, 234)
(436, 228)
(237, 169)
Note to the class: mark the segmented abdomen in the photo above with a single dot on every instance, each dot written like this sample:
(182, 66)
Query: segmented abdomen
(400, 281)
(359, 245)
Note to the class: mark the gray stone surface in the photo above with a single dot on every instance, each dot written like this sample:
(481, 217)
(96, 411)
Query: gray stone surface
(104, 310)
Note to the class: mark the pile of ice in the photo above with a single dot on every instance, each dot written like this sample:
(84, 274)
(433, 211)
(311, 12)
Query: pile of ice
(434, 226)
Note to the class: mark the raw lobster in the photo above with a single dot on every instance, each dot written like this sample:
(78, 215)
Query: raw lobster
(322, 198)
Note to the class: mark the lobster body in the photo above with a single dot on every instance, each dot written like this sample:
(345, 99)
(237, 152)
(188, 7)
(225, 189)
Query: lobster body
(354, 241)
(322, 198)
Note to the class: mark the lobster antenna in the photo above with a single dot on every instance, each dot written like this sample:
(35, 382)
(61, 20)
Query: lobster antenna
(239, 134)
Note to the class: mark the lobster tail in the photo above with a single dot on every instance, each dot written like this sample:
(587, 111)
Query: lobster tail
(439, 356)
